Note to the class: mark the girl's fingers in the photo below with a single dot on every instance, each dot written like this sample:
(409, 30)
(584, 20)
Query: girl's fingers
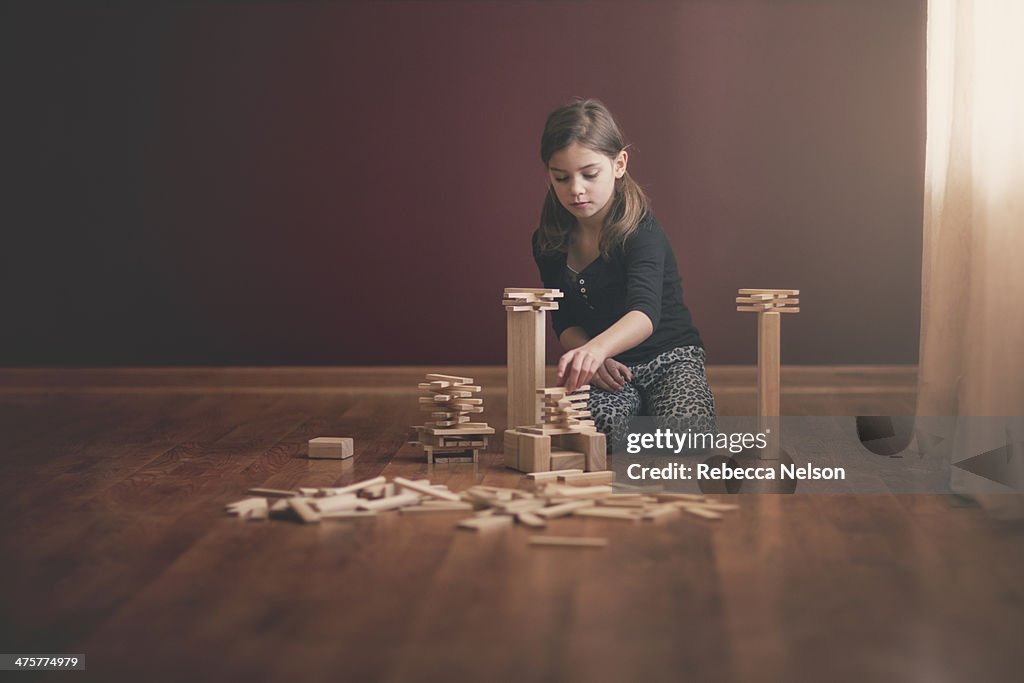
(604, 379)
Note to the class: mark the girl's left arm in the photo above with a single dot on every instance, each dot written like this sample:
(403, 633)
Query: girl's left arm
(644, 255)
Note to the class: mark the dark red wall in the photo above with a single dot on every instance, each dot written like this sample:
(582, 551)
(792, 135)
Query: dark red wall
(355, 182)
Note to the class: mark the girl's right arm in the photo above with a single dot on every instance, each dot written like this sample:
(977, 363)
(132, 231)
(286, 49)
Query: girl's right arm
(611, 375)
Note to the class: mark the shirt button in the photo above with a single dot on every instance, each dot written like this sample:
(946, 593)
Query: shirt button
(583, 289)
(581, 281)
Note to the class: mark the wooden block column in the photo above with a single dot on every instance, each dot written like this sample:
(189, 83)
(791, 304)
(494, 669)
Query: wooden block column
(769, 304)
(525, 312)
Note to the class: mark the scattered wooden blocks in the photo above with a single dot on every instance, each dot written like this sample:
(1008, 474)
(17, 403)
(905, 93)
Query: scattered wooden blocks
(575, 493)
(336, 447)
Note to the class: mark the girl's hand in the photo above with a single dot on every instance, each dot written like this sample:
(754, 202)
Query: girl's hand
(578, 367)
(612, 375)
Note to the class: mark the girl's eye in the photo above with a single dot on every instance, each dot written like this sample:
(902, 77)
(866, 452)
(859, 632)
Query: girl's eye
(590, 176)
(560, 180)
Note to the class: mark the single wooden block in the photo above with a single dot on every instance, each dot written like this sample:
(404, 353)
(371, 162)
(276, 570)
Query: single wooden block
(531, 520)
(525, 349)
(347, 501)
(564, 460)
(563, 509)
(486, 523)
(337, 447)
(539, 477)
(449, 378)
(569, 541)
(302, 508)
(609, 513)
(768, 364)
(390, 503)
(447, 507)
(511, 443)
(534, 452)
(598, 491)
(426, 490)
(783, 292)
(593, 445)
(588, 478)
(272, 493)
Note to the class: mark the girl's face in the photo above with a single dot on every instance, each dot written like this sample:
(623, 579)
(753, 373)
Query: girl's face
(584, 181)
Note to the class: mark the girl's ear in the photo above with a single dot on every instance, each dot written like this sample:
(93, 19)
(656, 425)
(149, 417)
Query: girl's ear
(620, 164)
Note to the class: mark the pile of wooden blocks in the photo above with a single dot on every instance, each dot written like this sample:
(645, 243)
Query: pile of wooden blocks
(450, 401)
(519, 299)
(563, 413)
(555, 494)
(564, 439)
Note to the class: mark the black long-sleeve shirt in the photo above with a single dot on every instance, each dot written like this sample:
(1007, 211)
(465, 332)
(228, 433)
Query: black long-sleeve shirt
(641, 275)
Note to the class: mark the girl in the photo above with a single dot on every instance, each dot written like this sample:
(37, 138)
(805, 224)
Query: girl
(623, 322)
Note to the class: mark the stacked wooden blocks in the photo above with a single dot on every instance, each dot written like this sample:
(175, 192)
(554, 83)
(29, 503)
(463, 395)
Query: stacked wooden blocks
(450, 434)
(518, 299)
(564, 439)
(563, 413)
(768, 304)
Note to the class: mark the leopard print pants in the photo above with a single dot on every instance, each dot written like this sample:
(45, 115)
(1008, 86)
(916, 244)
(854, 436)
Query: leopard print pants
(672, 386)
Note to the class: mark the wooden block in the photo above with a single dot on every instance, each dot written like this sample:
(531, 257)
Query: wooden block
(534, 452)
(273, 493)
(564, 460)
(608, 513)
(593, 445)
(241, 507)
(563, 509)
(783, 292)
(598, 491)
(449, 378)
(257, 514)
(525, 359)
(470, 428)
(306, 513)
(446, 504)
(552, 475)
(337, 447)
(280, 505)
(534, 290)
(511, 448)
(440, 494)
(446, 507)
(390, 503)
(530, 519)
(486, 523)
(347, 501)
(569, 541)
(768, 364)
(544, 430)
(588, 478)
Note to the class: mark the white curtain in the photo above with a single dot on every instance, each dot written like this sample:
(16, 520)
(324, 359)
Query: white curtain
(972, 314)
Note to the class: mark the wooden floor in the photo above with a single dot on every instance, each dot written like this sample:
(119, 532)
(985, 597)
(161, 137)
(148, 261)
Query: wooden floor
(114, 545)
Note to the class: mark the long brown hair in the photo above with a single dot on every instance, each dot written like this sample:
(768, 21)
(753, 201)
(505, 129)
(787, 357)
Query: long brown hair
(588, 123)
